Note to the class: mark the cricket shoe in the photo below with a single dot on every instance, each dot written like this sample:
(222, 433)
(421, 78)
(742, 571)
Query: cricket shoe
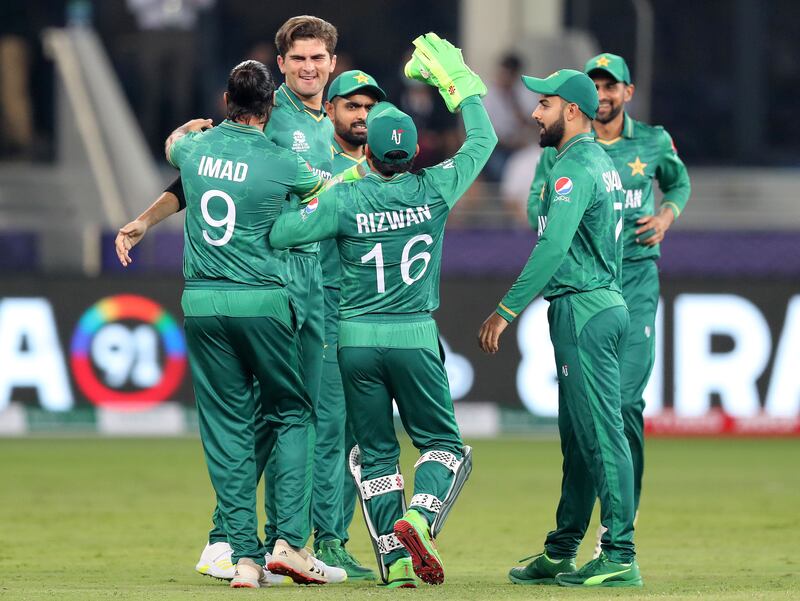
(401, 574)
(274, 579)
(298, 564)
(542, 570)
(602, 572)
(248, 574)
(215, 561)
(333, 554)
(414, 534)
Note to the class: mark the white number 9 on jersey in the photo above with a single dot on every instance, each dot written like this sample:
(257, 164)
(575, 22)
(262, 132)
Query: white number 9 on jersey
(228, 222)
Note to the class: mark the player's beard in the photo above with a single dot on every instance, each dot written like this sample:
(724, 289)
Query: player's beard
(551, 136)
(612, 114)
(349, 136)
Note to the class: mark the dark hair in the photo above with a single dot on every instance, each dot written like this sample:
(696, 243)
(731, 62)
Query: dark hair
(250, 91)
(306, 27)
(390, 169)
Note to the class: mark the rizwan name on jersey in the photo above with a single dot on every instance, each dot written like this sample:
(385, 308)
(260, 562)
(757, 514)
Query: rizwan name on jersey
(369, 223)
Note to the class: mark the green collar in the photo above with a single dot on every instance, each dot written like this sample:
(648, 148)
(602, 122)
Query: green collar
(338, 150)
(584, 137)
(284, 93)
(241, 128)
(627, 127)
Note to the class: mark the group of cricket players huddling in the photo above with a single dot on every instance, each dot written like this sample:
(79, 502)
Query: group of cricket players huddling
(312, 258)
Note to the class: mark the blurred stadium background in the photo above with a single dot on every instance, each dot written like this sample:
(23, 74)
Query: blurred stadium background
(91, 89)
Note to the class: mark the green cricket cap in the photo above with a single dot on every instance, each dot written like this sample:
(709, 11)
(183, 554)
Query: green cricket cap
(350, 82)
(609, 64)
(571, 85)
(388, 129)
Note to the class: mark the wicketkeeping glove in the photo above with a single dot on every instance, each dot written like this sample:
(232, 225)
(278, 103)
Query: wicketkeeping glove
(438, 63)
(350, 174)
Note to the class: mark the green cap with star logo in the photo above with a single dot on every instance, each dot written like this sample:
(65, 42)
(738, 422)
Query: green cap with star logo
(571, 85)
(388, 129)
(350, 82)
(609, 64)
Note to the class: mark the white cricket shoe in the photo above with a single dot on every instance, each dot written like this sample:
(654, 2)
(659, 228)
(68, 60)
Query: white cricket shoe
(297, 564)
(215, 561)
(248, 574)
(335, 575)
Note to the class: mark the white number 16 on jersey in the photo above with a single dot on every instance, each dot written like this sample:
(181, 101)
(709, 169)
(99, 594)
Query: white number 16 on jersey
(405, 261)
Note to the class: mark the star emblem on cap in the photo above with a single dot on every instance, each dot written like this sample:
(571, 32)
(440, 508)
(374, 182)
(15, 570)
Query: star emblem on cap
(361, 78)
(603, 61)
(637, 167)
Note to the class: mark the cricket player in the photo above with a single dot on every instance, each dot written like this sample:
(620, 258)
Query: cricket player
(641, 153)
(306, 57)
(575, 265)
(350, 98)
(389, 228)
(240, 323)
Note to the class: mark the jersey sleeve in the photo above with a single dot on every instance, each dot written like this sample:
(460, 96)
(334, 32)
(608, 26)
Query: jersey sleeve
(563, 217)
(543, 168)
(672, 176)
(453, 176)
(316, 219)
(306, 183)
(179, 148)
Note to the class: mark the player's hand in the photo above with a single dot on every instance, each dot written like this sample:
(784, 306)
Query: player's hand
(489, 336)
(198, 125)
(128, 237)
(655, 226)
(437, 62)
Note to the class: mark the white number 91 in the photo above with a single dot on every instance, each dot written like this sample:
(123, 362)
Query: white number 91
(229, 221)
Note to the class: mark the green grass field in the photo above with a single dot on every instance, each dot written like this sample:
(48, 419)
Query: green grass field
(126, 519)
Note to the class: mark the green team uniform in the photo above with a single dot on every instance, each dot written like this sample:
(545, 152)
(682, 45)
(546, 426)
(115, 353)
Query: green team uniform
(334, 499)
(240, 326)
(642, 154)
(307, 132)
(575, 266)
(389, 234)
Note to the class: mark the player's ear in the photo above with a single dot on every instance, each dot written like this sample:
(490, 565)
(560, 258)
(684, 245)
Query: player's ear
(281, 64)
(333, 63)
(416, 152)
(629, 91)
(329, 109)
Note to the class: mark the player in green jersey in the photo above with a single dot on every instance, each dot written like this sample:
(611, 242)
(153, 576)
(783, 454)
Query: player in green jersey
(389, 228)
(641, 153)
(239, 321)
(306, 47)
(350, 97)
(576, 265)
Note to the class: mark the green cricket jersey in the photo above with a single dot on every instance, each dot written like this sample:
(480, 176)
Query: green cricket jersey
(236, 183)
(307, 132)
(579, 223)
(329, 250)
(390, 231)
(642, 153)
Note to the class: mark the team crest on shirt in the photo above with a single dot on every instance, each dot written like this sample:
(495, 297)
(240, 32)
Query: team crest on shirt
(563, 186)
(299, 143)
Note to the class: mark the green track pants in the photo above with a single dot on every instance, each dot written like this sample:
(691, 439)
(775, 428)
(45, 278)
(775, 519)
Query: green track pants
(588, 330)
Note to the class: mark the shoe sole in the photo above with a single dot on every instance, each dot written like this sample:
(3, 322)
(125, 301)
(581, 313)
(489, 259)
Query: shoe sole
(220, 578)
(243, 584)
(277, 567)
(537, 581)
(426, 566)
(611, 584)
(400, 584)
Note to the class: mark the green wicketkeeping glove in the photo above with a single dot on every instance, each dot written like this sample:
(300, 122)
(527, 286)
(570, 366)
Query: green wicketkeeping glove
(438, 63)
